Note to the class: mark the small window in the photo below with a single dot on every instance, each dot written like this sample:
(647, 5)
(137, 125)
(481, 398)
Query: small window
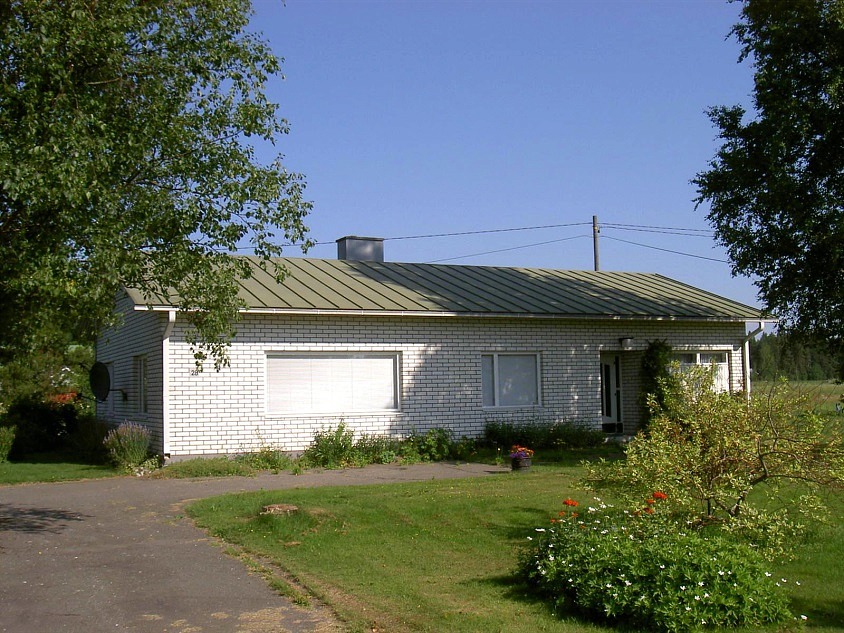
(719, 359)
(510, 380)
(332, 383)
(141, 384)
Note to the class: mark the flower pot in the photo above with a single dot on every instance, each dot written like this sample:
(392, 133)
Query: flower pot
(520, 463)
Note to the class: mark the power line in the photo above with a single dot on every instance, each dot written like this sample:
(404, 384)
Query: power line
(667, 250)
(661, 230)
(512, 248)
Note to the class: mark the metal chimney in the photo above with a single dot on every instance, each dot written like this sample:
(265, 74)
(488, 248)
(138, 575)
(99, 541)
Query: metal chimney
(361, 249)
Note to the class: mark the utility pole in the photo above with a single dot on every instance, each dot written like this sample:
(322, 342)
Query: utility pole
(595, 232)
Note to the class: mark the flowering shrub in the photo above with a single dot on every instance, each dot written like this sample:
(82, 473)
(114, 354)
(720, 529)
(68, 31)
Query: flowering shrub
(642, 569)
(723, 461)
(520, 452)
(128, 445)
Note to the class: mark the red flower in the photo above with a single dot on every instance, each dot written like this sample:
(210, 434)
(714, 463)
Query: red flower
(571, 503)
(648, 510)
(650, 501)
(660, 495)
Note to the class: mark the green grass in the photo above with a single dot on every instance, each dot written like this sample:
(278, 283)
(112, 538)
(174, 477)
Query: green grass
(823, 394)
(440, 555)
(51, 467)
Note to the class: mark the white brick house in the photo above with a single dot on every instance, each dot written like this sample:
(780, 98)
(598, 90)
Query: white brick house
(387, 348)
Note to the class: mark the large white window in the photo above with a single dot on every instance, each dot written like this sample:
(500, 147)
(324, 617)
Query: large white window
(510, 380)
(719, 359)
(332, 383)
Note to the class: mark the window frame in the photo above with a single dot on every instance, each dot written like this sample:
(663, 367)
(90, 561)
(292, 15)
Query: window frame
(140, 367)
(723, 383)
(496, 380)
(345, 409)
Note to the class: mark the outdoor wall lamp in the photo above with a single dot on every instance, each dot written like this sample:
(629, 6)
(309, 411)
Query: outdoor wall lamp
(626, 342)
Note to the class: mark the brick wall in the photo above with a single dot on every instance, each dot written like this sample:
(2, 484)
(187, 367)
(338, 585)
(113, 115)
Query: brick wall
(440, 373)
(140, 335)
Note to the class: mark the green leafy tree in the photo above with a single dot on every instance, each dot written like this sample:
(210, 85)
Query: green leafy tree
(127, 159)
(776, 186)
(722, 460)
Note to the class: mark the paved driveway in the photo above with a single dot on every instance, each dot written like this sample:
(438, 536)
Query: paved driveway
(118, 555)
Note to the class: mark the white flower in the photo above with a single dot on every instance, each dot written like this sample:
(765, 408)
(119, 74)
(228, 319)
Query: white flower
(627, 583)
(803, 617)
(797, 582)
(783, 580)
(697, 597)
(662, 566)
(700, 584)
(543, 529)
(682, 587)
(530, 538)
(767, 574)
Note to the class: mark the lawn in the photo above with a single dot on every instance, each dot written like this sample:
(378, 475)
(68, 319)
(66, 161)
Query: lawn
(51, 467)
(440, 555)
(823, 394)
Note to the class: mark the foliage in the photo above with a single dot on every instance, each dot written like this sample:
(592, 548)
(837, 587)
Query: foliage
(432, 446)
(42, 426)
(792, 357)
(376, 449)
(7, 438)
(331, 448)
(127, 154)
(47, 374)
(775, 187)
(641, 570)
(656, 376)
(267, 458)
(542, 434)
(128, 445)
(88, 440)
(709, 451)
(205, 467)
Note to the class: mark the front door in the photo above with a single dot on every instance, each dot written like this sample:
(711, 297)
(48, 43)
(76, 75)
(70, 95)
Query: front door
(611, 393)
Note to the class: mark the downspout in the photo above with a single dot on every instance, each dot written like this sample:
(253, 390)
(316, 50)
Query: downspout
(745, 353)
(165, 382)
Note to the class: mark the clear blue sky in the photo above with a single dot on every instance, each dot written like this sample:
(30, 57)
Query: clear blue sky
(423, 117)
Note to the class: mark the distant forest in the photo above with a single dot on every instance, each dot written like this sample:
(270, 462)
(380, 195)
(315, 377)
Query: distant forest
(774, 356)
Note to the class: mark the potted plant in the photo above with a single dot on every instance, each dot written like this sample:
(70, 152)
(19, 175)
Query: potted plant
(520, 457)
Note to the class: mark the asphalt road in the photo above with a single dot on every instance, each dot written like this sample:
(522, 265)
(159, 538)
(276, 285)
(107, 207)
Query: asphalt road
(118, 555)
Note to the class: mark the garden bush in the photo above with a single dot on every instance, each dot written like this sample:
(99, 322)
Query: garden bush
(128, 445)
(540, 434)
(88, 440)
(732, 463)
(332, 448)
(7, 438)
(41, 426)
(643, 570)
(432, 446)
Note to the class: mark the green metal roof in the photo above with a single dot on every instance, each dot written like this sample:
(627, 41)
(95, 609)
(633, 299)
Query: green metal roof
(340, 286)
